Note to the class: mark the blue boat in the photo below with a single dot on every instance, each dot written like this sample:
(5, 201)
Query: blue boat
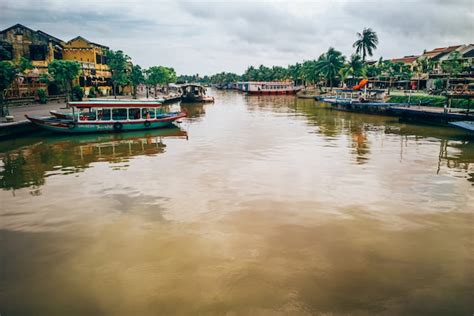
(106, 116)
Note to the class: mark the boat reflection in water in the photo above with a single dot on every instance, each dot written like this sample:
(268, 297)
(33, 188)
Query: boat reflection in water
(29, 164)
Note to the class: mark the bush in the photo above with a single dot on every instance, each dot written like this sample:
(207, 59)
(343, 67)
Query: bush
(438, 84)
(438, 101)
(42, 99)
(77, 93)
(92, 92)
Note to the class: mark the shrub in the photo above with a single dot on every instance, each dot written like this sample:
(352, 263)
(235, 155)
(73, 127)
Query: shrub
(438, 84)
(42, 99)
(77, 93)
(432, 100)
(92, 92)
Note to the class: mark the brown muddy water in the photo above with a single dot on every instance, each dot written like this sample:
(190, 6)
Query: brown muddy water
(255, 206)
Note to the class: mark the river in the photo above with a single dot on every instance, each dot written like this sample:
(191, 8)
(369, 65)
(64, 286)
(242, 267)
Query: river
(254, 206)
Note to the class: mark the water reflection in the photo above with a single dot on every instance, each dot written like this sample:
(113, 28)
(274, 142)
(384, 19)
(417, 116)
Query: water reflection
(30, 164)
(456, 150)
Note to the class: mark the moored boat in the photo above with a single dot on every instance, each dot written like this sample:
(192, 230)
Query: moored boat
(270, 87)
(98, 116)
(194, 93)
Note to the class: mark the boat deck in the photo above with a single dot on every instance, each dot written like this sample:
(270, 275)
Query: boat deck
(466, 125)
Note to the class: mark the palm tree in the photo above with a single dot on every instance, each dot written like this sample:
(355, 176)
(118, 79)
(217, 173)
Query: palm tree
(329, 64)
(366, 43)
(353, 67)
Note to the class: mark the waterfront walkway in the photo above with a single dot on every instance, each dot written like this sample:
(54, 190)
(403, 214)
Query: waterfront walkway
(34, 109)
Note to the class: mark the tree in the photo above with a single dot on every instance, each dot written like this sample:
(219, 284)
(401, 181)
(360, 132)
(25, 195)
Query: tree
(366, 43)
(354, 67)
(136, 77)
(118, 64)
(160, 75)
(63, 73)
(452, 66)
(329, 64)
(8, 73)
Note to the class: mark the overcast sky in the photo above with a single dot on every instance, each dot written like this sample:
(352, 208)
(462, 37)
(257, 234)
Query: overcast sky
(206, 37)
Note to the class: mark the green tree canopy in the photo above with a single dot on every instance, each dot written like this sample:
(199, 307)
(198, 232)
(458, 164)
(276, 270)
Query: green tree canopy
(118, 64)
(366, 43)
(329, 64)
(64, 72)
(136, 77)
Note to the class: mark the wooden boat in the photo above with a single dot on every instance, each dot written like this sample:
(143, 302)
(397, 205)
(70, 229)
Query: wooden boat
(194, 93)
(68, 114)
(99, 116)
(270, 87)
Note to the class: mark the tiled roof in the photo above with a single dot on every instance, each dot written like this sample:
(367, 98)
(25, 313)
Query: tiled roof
(405, 60)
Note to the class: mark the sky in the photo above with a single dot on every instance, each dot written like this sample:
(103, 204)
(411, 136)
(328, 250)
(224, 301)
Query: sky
(207, 37)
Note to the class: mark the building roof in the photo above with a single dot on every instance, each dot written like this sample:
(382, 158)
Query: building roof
(51, 37)
(469, 53)
(16, 26)
(405, 60)
(44, 34)
(87, 41)
(440, 51)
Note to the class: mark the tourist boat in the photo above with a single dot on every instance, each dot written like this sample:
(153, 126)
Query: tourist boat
(69, 114)
(194, 93)
(269, 87)
(100, 116)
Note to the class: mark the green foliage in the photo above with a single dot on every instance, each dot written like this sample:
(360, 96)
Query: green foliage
(4, 54)
(437, 101)
(136, 77)
(160, 75)
(24, 64)
(438, 84)
(366, 42)
(42, 98)
(8, 73)
(44, 78)
(92, 92)
(453, 65)
(224, 77)
(329, 65)
(118, 64)
(64, 72)
(77, 93)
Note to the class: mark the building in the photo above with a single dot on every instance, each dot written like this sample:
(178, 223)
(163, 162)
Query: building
(39, 47)
(407, 60)
(93, 60)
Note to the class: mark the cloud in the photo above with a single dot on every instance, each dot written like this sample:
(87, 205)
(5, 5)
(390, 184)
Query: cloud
(210, 36)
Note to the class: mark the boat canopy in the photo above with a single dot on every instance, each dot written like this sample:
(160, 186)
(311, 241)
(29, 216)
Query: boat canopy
(117, 104)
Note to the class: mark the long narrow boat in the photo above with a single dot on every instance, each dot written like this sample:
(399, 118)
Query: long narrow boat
(97, 101)
(100, 116)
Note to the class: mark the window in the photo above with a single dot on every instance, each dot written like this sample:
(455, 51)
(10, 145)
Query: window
(38, 52)
(103, 114)
(119, 114)
(148, 113)
(87, 114)
(134, 114)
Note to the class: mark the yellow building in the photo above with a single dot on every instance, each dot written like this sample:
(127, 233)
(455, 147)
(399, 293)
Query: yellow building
(93, 60)
(37, 46)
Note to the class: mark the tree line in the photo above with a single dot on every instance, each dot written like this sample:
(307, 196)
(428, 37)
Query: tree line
(332, 68)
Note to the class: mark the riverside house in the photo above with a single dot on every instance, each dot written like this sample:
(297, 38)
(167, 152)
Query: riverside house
(41, 49)
(37, 46)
